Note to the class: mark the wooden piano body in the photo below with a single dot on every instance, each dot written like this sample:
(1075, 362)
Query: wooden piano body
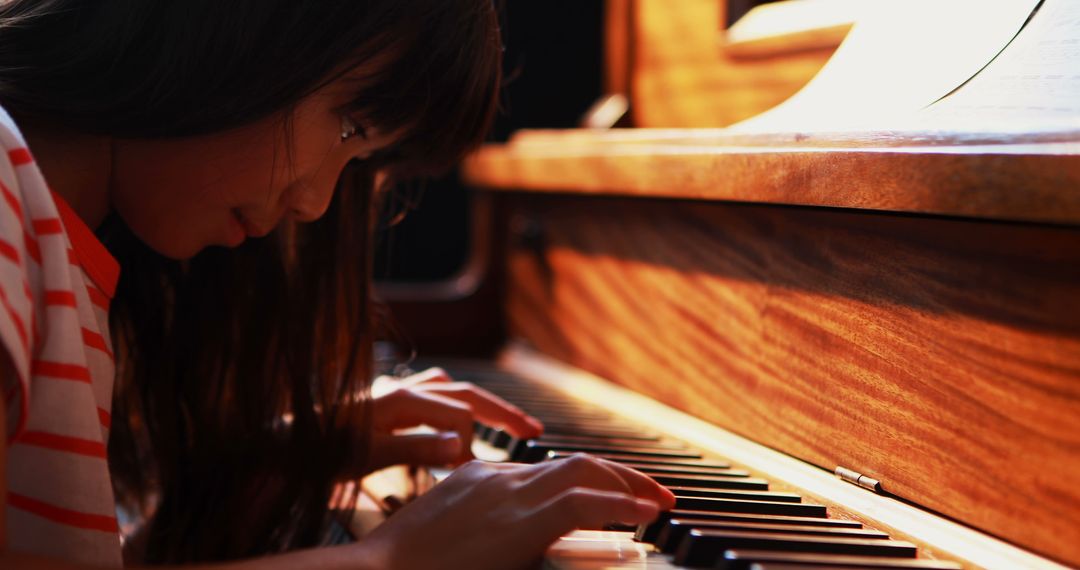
(902, 304)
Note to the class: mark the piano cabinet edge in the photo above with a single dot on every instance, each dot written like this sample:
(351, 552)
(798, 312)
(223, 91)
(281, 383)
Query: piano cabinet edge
(940, 356)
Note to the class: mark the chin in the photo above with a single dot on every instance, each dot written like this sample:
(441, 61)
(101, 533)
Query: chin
(169, 246)
(176, 251)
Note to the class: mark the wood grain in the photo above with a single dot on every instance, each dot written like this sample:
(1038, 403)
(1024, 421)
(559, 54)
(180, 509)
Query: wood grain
(939, 356)
(1029, 177)
(681, 76)
(618, 49)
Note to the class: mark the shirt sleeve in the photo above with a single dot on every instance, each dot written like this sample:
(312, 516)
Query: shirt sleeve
(16, 300)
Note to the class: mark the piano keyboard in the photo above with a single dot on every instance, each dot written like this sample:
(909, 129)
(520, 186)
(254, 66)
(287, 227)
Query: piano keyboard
(723, 518)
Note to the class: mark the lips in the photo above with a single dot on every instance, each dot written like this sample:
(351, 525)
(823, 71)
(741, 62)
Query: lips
(250, 228)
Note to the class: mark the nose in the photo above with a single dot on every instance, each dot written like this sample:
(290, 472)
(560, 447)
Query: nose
(307, 203)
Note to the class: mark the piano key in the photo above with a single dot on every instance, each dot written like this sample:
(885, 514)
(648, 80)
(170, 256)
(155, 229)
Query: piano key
(536, 450)
(499, 439)
(775, 496)
(708, 481)
(601, 435)
(744, 559)
(675, 471)
(649, 532)
(641, 460)
(754, 507)
(584, 439)
(593, 430)
(691, 473)
(705, 547)
(672, 534)
(559, 441)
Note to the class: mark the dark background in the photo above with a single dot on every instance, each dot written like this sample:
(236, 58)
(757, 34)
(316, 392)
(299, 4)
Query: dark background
(552, 74)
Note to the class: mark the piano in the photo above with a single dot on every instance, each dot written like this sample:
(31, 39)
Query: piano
(840, 348)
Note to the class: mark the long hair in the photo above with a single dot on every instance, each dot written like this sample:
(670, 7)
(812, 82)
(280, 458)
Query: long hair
(242, 386)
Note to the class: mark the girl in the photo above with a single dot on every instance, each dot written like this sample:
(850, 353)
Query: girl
(229, 155)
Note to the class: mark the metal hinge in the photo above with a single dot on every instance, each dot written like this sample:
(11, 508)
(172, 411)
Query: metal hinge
(856, 478)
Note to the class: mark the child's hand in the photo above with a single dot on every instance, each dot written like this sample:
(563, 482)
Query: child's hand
(504, 516)
(433, 399)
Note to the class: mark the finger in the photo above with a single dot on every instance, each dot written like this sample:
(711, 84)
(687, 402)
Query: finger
(414, 449)
(489, 409)
(586, 471)
(643, 486)
(582, 508)
(411, 408)
(383, 385)
(430, 375)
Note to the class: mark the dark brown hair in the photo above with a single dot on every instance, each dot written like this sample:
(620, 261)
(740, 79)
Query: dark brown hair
(243, 374)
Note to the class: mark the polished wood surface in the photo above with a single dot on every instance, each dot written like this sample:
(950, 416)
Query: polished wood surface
(682, 77)
(936, 536)
(1029, 177)
(940, 356)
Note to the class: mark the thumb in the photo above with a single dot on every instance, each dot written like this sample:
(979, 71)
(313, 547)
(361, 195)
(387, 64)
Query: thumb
(417, 449)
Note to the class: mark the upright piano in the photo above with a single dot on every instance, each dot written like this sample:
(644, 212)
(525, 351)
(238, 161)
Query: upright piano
(835, 344)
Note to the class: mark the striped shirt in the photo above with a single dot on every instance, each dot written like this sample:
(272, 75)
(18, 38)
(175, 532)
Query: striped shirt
(56, 280)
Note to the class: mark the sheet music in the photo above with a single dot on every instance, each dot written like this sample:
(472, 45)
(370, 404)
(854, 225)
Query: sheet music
(1034, 85)
(900, 57)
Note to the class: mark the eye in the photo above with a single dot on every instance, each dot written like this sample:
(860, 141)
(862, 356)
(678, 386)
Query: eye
(350, 128)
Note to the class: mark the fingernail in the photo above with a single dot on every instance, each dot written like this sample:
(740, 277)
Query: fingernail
(670, 499)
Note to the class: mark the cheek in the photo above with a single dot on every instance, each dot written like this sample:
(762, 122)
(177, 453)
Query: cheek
(177, 196)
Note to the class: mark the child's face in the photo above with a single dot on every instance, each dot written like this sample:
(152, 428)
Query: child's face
(180, 196)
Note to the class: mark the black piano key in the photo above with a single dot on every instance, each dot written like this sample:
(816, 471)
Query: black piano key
(775, 496)
(672, 534)
(584, 439)
(536, 450)
(709, 482)
(754, 507)
(704, 547)
(744, 559)
(592, 430)
(675, 471)
(499, 439)
(642, 460)
(649, 532)
(601, 434)
(780, 566)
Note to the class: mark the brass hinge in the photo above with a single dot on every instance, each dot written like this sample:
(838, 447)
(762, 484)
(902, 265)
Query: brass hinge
(856, 478)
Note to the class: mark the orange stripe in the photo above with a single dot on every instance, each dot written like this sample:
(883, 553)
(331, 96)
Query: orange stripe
(63, 443)
(105, 417)
(20, 156)
(95, 340)
(7, 250)
(97, 297)
(48, 226)
(32, 247)
(12, 201)
(20, 327)
(65, 298)
(60, 370)
(95, 260)
(61, 515)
